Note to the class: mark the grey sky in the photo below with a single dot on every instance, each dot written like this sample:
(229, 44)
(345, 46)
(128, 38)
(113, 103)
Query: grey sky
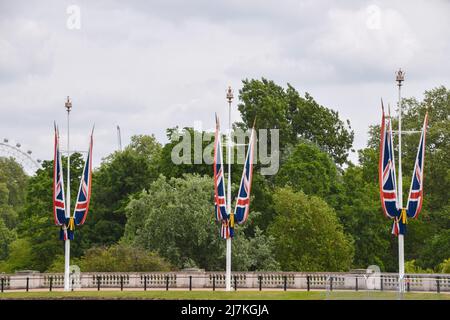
(151, 65)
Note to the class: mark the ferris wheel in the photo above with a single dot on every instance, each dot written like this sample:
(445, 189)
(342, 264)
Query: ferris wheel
(24, 158)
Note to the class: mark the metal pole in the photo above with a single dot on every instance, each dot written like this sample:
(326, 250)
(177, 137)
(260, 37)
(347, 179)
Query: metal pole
(307, 283)
(438, 285)
(228, 252)
(145, 283)
(401, 246)
(68, 106)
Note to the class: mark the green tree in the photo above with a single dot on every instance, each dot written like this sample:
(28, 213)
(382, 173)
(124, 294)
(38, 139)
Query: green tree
(308, 235)
(362, 218)
(175, 218)
(19, 258)
(194, 163)
(15, 180)
(312, 171)
(296, 117)
(7, 236)
(254, 253)
(13, 183)
(435, 250)
(445, 266)
(120, 175)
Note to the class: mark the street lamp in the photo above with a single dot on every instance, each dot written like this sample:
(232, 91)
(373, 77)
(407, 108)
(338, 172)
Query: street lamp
(228, 252)
(400, 77)
(68, 106)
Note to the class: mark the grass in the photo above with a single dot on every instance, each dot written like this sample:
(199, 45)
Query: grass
(221, 295)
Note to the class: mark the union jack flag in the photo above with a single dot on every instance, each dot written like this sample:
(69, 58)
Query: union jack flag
(415, 198)
(387, 178)
(226, 231)
(67, 230)
(220, 205)
(243, 199)
(84, 191)
(59, 202)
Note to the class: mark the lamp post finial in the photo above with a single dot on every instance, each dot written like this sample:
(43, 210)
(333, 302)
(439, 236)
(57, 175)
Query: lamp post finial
(68, 104)
(230, 94)
(400, 77)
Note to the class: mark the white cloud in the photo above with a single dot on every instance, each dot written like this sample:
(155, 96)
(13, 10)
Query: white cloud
(148, 66)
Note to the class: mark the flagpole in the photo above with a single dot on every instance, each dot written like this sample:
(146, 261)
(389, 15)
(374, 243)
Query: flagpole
(68, 106)
(401, 251)
(228, 252)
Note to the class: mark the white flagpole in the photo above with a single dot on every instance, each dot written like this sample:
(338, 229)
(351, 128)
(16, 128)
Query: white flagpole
(401, 251)
(228, 252)
(68, 106)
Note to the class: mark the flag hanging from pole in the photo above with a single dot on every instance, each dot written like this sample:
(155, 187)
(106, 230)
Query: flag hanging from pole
(220, 204)
(84, 191)
(243, 200)
(387, 177)
(59, 205)
(415, 198)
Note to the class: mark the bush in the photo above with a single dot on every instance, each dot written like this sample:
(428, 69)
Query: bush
(20, 253)
(122, 258)
(411, 267)
(444, 267)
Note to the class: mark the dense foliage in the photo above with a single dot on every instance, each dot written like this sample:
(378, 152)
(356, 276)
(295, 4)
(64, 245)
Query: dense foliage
(320, 212)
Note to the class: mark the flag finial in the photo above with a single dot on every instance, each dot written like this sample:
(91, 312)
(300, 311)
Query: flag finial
(68, 104)
(230, 95)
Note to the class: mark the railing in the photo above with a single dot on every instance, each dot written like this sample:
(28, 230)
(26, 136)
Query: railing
(216, 280)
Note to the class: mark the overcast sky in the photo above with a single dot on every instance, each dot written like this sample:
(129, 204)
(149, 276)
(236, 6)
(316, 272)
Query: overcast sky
(151, 65)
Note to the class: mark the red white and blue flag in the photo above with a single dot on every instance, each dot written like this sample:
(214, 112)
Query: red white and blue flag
(84, 191)
(243, 199)
(387, 178)
(225, 230)
(415, 198)
(220, 204)
(59, 201)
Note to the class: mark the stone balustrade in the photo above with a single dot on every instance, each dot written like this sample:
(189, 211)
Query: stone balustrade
(242, 280)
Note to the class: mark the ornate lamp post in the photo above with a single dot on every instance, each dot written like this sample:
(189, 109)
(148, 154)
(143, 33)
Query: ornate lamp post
(228, 252)
(68, 106)
(400, 77)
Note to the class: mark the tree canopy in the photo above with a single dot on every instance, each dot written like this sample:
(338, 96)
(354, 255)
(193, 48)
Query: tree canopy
(295, 116)
(319, 212)
(308, 235)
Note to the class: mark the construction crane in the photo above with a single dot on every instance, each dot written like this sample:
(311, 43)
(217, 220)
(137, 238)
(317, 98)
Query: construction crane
(119, 138)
